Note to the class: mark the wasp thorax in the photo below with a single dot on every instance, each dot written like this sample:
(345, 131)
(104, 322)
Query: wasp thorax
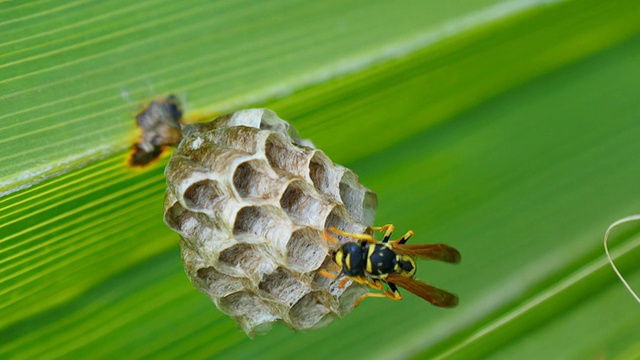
(251, 201)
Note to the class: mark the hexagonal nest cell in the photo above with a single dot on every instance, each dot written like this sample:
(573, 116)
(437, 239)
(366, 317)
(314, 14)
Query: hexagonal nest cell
(191, 225)
(250, 311)
(245, 260)
(301, 206)
(358, 200)
(250, 200)
(219, 284)
(320, 173)
(286, 158)
(285, 286)
(253, 179)
(261, 222)
(306, 250)
(311, 310)
(203, 194)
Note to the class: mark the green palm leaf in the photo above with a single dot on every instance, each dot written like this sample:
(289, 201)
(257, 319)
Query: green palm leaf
(506, 129)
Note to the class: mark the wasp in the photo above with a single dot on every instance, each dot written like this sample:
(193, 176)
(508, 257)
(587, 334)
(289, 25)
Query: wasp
(160, 125)
(374, 263)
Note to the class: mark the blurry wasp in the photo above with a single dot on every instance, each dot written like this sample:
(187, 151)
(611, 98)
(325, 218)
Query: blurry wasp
(373, 263)
(160, 125)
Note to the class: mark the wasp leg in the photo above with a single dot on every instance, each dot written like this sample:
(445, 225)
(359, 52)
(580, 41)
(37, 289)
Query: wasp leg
(343, 282)
(394, 294)
(372, 283)
(403, 239)
(358, 279)
(387, 294)
(389, 228)
(363, 237)
(359, 300)
(325, 273)
(388, 231)
(375, 284)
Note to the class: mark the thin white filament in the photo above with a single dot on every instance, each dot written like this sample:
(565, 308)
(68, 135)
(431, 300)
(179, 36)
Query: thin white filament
(606, 250)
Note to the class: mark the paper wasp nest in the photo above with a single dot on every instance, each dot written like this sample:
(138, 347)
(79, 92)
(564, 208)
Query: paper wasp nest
(250, 201)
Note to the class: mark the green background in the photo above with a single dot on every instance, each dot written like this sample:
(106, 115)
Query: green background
(508, 129)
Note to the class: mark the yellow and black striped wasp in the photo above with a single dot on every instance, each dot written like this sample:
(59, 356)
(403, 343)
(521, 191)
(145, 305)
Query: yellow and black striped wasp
(374, 263)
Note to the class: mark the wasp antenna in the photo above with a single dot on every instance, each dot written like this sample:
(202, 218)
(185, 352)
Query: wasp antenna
(363, 237)
(329, 238)
(325, 273)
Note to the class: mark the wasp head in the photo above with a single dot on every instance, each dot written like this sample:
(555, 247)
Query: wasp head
(406, 266)
(349, 258)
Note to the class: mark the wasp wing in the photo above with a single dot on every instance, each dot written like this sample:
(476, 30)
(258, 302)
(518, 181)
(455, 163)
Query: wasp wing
(432, 294)
(439, 252)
